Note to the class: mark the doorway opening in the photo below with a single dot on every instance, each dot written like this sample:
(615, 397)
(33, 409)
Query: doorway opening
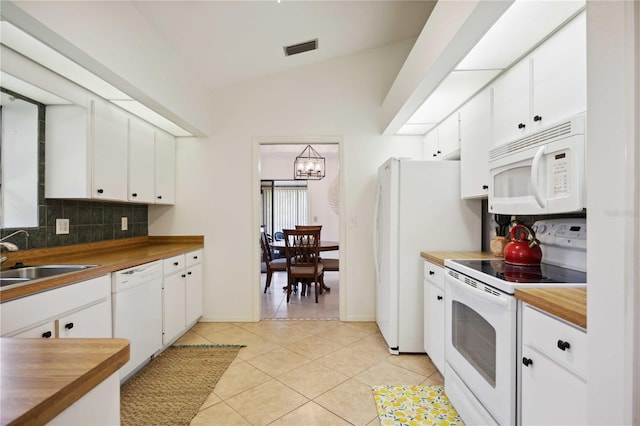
(285, 203)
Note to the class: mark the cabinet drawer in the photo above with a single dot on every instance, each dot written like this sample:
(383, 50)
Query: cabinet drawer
(173, 264)
(193, 257)
(550, 335)
(434, 274)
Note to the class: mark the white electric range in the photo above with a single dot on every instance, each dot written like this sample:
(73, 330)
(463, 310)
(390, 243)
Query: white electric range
(481, 319)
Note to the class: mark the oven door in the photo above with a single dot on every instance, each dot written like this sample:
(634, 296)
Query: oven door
(480, 347)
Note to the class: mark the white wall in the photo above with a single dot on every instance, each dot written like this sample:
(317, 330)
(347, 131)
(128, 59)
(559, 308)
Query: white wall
(216, 178)
(613, 219)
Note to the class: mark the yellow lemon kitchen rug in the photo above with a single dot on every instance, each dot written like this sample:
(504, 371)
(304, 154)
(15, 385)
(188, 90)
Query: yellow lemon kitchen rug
(414, 405)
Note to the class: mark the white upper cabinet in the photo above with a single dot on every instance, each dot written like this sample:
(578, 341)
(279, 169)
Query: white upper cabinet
(475, 141)
(141, 161)
(511, 103)
(86, 152)
(431, 145)
(559, 78)
(543, 88)
(103, 153)
(449, 135)
(443, 142)
(110, 147)
(165, 168)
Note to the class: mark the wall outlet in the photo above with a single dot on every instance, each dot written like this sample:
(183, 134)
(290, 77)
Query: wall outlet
(124, 223)
(62, 226)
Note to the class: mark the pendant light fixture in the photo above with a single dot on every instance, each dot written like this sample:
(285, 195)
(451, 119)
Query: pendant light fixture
(309, 165)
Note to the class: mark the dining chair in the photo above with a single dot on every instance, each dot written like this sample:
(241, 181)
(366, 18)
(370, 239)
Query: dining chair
(272, 265)
(327, 264)
(302, 260)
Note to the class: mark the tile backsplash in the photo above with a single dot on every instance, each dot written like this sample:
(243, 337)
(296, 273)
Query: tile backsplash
(89, 221)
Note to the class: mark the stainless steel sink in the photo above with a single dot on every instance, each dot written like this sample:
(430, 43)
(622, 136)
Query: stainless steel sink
(28, 273)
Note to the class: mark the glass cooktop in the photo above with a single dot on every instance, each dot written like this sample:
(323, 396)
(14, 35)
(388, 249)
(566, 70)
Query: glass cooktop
(544, 273)
(505, 277)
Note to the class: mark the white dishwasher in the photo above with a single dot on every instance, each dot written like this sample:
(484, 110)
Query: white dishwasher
(137, 312)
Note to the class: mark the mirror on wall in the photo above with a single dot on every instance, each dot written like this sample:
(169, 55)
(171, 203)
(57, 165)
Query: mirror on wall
(18, 162)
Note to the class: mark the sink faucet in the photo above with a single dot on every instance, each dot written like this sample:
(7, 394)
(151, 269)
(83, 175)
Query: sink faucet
(10, 246)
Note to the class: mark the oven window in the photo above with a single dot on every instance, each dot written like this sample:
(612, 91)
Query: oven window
(475, 340)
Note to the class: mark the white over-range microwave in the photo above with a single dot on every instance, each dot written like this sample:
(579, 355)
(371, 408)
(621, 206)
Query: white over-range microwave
(541, 173)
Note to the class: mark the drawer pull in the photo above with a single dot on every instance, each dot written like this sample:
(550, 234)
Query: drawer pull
(46, 334)
(431, 273)
(527, 361)
(439, 297)
(563, 346)
(68, 326)
(176, 263)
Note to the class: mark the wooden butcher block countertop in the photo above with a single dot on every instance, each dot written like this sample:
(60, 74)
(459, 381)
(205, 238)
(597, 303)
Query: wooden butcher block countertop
(438, 257)
(42, 377)
(569, 304)
(110, 256)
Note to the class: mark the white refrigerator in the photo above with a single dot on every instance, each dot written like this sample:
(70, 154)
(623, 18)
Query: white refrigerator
(418, 208)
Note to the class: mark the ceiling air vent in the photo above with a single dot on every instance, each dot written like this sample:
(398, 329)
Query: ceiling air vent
(306, 46)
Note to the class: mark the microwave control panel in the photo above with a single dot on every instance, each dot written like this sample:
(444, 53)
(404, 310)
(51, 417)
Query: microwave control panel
(560, 173)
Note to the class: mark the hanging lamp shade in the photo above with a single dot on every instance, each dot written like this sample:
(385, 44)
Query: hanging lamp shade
(309, 165)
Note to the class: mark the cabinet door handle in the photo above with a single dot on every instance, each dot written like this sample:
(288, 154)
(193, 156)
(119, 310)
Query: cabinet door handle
(485, 186)
(431, 273)
(435, 155)
(527, 361)
(189, 273)
(176, 263)
(439, 152)
(159, 197)
(100, 190)
(135, 194)
(184, 276)
(563, 346)
(68, 326)
(439, 297)
(47, 334)
(537, 118)
(521, 126)
(195, 257)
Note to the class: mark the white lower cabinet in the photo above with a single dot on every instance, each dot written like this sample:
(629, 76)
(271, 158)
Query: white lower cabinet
(434, 313)
(88, 322)
(194, 291)
(553, 385)
(82, 309)
(173, 306)
(181, 295)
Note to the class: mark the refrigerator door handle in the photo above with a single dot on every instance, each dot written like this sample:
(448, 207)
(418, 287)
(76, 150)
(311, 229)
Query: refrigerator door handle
(375, 231)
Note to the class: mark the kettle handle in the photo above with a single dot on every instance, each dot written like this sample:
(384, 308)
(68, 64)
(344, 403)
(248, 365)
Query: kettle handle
(514, 236)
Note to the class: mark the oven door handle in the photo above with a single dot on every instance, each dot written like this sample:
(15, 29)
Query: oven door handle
(497, 300)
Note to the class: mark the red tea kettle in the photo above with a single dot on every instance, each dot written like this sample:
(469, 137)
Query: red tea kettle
(522, 252)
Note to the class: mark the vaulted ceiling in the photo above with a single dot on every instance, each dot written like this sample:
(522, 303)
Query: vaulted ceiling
(232, 41)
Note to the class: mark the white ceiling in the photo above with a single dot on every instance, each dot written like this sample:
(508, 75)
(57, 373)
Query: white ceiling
(232, 41)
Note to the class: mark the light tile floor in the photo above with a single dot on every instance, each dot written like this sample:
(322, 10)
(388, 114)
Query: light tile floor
(274, 301)
(304, 372)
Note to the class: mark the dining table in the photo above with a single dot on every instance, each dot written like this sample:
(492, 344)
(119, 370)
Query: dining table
(323, 245)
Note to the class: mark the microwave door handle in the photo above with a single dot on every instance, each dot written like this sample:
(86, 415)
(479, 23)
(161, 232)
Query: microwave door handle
(535, 165)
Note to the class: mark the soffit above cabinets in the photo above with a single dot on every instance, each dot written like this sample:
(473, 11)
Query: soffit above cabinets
(29, 47)
(521, 28)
